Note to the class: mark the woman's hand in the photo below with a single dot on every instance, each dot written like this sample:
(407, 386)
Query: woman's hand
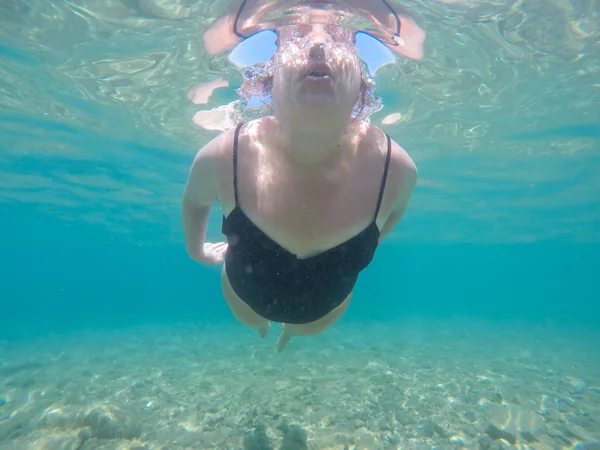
(213, 253)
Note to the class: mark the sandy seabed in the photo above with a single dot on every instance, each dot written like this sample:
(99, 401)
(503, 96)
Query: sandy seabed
(412, 384)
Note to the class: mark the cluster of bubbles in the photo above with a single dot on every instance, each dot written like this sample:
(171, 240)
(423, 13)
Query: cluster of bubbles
(255, 91)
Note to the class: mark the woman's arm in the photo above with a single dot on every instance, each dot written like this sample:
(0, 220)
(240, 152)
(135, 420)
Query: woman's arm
(201, 191)
(404, 172)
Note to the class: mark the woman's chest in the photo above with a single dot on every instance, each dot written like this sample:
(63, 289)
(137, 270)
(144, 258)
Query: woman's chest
(306, 214)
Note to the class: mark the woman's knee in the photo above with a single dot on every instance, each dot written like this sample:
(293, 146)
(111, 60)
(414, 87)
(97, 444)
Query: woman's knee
(320, 325)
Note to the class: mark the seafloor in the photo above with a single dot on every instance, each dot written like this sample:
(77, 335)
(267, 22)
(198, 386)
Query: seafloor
(417, 384)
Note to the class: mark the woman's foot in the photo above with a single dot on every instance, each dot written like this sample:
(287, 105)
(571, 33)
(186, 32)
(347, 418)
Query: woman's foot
(263, 330)
(284, 338)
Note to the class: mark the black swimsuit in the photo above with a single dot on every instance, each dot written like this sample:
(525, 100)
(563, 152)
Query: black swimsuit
(277, 284)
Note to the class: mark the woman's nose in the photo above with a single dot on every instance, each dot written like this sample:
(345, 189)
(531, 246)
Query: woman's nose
(317, 50)
(318, 39)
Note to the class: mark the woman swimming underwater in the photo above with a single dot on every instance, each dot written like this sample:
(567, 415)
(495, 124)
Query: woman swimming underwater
(307, 193)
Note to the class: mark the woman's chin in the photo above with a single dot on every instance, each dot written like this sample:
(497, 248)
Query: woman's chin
(317, 98)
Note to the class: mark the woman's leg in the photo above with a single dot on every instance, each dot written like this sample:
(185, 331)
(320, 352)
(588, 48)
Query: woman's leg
(241, 310)
(312, 328)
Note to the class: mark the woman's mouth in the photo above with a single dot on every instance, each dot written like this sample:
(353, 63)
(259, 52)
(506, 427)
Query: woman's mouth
(317, 76)
(319, 71)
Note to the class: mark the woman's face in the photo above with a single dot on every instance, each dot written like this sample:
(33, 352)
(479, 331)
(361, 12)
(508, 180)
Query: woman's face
(316, 67)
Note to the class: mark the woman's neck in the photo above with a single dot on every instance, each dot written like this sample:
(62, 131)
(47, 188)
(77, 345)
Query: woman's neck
(310, 141)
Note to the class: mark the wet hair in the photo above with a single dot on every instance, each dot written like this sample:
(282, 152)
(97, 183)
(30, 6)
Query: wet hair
(258, 84)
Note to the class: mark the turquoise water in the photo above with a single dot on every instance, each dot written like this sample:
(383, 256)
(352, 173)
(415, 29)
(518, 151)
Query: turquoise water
(61, 276)
(502, 118)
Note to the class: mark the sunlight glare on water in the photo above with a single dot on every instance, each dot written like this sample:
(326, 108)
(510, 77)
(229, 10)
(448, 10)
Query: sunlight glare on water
(502, 115)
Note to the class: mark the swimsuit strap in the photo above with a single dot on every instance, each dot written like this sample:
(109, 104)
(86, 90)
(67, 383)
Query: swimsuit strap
(393, 11)
(237, 18)
(385, 172)
(236, 138)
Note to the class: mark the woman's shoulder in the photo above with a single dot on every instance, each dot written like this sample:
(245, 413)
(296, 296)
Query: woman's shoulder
(376, 140)
(218, 152)
(402, 170)
(221, 145)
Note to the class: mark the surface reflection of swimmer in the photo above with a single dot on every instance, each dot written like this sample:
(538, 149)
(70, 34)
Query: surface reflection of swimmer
(397, 30)
(307, 193)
